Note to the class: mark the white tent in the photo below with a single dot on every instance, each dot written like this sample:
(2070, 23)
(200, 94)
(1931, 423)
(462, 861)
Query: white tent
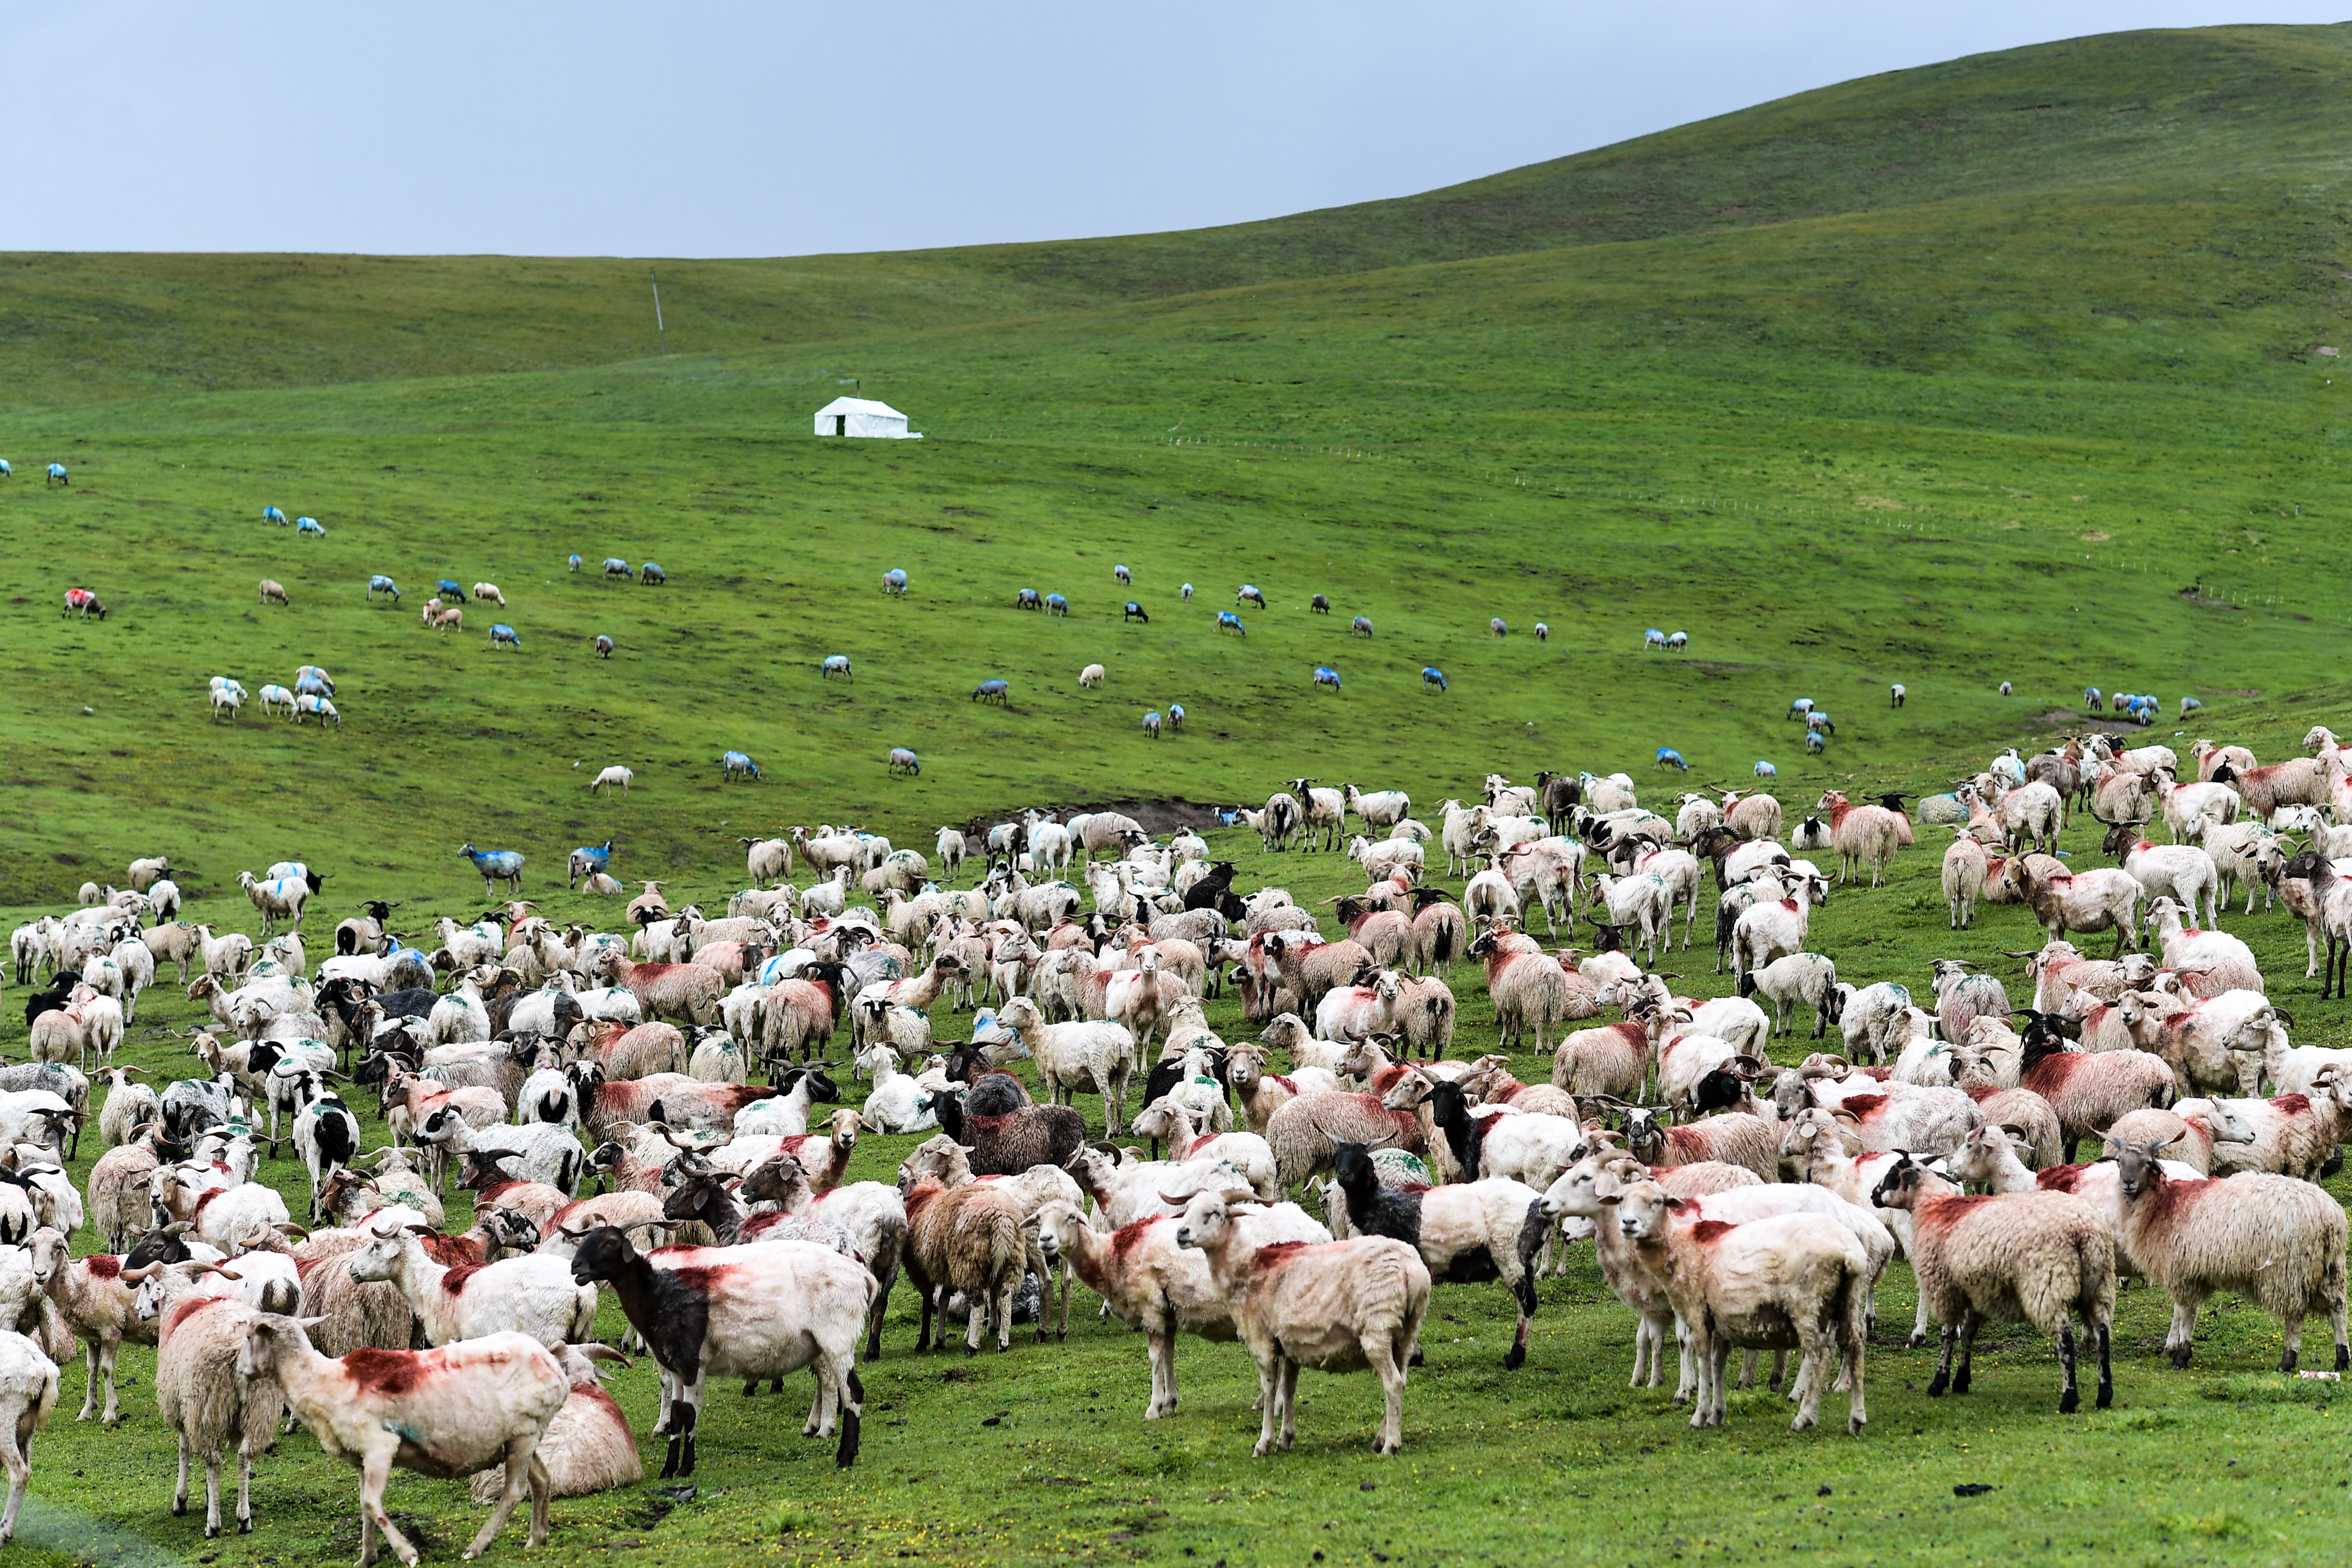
(863, 416)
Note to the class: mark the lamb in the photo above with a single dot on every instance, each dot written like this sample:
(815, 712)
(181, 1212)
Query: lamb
(1337, 1306)
(1789, 1281)
(2273, 1239)
(1070, 1056)
(198, 1390)
(532, 1295)
(1464, 1232)
(449, 1412)
(2036, 1257)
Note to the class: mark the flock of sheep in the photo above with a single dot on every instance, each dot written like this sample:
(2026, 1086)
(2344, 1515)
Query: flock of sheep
(1733, 1204)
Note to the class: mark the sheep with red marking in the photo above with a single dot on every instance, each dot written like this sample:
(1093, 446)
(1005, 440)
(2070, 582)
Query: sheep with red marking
(1527, 986)
(449, 1412)
(2088, 1091)
(752, 1312)
(589, 1447)
(2096, 900)
(2271, 1238)
(93, 1302)
(1247, 1154)
(690, 993)
(1612, 1060)
(2041, 1257)
(1306, 1130)
(1335, 1306)
(199, 1390)
(533, 1295)
(2297, 781)
(1150, 1284)
(1791, 1282)
(2286, 1135)
(1734, 1138)
(1864, 835)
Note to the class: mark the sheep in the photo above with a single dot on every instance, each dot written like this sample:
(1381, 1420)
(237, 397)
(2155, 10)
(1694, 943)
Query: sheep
(1788, 1282)
(1797, 979)
(2181, 872)
(2297, 781)
(1964, 866)
(449, 1412)
(532, 1295)
(966, 1239)
(1753, 817)
(2091, 900)
(1247, 1155)
(2221, 961)
(1007, 1142)
(1338, 1306)
(1773, 929)
(2273, 1239)
(1303, 1131)
(2089, 1091)
(688, 992)
(2037, 1257)
(198, 1390)
(1074, 1055)
(1860, 834)
(1463, 1232)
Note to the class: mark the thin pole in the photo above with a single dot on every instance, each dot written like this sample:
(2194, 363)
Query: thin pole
(659, 328)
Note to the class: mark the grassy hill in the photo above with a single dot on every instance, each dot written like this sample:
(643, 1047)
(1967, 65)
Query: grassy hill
(2000, 370)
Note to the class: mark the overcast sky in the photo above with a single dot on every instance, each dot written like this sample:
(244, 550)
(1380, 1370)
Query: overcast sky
(703, 128)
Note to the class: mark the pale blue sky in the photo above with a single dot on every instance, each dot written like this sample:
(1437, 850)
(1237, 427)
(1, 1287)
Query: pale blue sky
(698, 128)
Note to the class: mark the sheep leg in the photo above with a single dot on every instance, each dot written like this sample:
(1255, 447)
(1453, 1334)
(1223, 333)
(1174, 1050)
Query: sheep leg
(373, 1473)
(1160, 1342)
(2292, 1322)
(19, 1461)
(522, 1460)
(1289, 1400)
(1942, 1378)
(1748, 1368)
(1269, 1399)
(1384, 1356)
(212, 1494)
(1970, 1323)
(2070, 1397)
(1812, 1375)
(1686, 1388)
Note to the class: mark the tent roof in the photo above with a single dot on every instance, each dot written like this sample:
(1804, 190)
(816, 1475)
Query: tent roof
(858, 406)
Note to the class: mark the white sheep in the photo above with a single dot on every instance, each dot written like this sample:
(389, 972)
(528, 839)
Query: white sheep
(613, 776)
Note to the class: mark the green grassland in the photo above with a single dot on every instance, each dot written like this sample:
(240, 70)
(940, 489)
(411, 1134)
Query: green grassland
(2000, 370)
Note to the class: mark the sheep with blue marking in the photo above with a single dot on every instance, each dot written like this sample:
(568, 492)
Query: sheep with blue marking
(497, 867)
(322, 708)
(1250, 593)
(1124, 576)
(993, 691)
(505, 636)
(1028, 599)
(1188, 590)
(738, 765)
(1229, 622)
(1653, 638)
(1543, 632)
(587, 860)
(6, 472)
(1669, 757)
(1766, 771)
(1800, 708)
(1151, 724)
(451, 589)
(904, 761)
(1131, 610)
(1057, 605)
(58, 475)
(2189, 706)
(894, 582)
(1818, 723)
(651, 575)
(1325, 676)
(603, 646)
(1361, 626)
(272, 514)
(571, 563)
(274, 697)
(308, 526)
(227, 697)
(616, 567)
(1431, 675)
(1175, 715)
(1499, 627)
(834, 664)
(1814, 744)
(311, 678)
(379, 583)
